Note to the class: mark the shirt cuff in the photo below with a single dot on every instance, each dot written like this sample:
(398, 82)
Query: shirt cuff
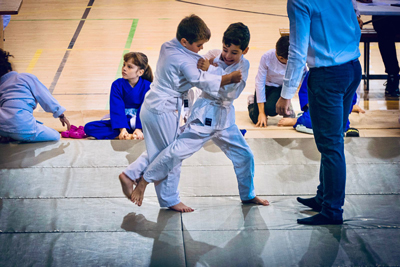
(288, 92)
(212, 68)
(58, 112)
(261, 100)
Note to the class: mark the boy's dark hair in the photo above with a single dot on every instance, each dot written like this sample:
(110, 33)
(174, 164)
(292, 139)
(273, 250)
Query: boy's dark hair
(5, 65)
(139, 59)
(237, 34)
(282, 47)
(193, 29)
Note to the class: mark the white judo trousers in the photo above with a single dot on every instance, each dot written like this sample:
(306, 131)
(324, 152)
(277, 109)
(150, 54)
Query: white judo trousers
(159, 131)
(230, 141)
(41, 134)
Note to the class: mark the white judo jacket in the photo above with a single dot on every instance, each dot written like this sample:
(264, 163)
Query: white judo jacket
(216, 112)
(175, 74)
(19, 95)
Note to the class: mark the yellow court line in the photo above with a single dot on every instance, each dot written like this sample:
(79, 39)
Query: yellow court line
(34, 60)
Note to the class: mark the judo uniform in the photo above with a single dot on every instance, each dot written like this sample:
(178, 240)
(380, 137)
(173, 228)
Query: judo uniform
(212, 117)
(19, 95)
(176, 73)
(125, 104)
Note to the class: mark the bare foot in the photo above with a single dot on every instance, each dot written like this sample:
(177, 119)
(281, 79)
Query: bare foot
(357, 109)
(127, 185)
(138, 193)
(257, 200)
(287, 122)
(180, 207)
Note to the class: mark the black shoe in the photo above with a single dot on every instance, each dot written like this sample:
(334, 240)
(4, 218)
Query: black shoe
(352, 132)
(310, 202)
(318, 219)
(392, 85)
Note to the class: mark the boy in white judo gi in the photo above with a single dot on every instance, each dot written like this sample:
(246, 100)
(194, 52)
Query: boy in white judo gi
(213, 117)
(176, 73)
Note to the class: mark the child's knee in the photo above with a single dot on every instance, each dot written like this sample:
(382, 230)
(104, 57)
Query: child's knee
(50, 135)
(89, 127)
(247, 157)
(56, 137)
(250, 155)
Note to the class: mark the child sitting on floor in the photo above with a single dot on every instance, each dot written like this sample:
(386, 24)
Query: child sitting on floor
(19, 95)
(268, 84)
(213, 118)
(303, 122)
(126, 98)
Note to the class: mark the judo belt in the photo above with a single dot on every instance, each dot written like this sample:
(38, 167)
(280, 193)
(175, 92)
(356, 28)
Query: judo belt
(223, 107)
(179, 104)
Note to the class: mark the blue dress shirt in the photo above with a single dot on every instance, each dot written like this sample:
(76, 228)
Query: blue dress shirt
(323, 33)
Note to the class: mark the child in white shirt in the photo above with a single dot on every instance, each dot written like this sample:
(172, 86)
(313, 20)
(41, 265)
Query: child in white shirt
(269, 82)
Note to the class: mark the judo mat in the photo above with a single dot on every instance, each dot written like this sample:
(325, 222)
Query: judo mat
(61, 204)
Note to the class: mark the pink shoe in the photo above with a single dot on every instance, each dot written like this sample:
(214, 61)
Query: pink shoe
(67, 133)
(78, 134)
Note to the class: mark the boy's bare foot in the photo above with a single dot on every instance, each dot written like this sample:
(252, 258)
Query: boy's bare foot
(127, 185)
(357, 109)
(256, 200)
(287, 122)
(180, 207)
(138, 193)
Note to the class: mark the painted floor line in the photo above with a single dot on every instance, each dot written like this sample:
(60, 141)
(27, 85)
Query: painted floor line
(34, 60)
(70, 46)
(128, 44)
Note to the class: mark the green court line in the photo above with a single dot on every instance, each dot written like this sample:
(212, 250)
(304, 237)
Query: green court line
(126, 49)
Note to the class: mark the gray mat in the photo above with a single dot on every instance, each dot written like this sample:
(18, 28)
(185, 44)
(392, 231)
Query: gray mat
(61, 205)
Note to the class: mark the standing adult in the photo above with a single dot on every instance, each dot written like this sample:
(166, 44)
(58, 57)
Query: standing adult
(387, 27)
(326, 35)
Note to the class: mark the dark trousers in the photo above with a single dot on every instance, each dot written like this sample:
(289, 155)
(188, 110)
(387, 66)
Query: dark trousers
(387, 27)
(330, 95)
(272, 95)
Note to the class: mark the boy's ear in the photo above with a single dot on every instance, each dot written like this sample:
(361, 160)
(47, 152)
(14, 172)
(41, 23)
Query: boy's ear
(184, 42)
(245, 51)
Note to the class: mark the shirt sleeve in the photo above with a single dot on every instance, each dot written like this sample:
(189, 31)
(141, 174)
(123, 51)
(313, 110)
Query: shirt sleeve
(233, 90)
(212, 54)
(261, 78)
(145, 88)
(300, 22)
(117, 107)
(356, 8)
(44, 97)
(207, 82)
